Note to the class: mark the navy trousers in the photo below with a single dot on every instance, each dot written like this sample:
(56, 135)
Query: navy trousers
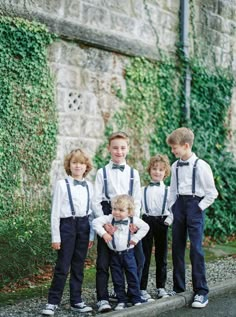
(158, 233)
(71, 257)
(188, 221)
(124, 264)
(103, 261)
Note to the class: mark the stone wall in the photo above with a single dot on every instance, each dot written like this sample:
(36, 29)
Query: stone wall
(97, 37)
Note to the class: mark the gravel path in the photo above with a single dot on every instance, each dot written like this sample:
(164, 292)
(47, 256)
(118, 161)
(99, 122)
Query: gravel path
(219, 271)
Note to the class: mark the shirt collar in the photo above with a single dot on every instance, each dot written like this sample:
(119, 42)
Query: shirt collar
(192, 158)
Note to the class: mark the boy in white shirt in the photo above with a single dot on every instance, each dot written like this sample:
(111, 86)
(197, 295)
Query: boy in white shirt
(158, 216)
(116, 178)
(192, 190)
(72, 234)
(121, 245)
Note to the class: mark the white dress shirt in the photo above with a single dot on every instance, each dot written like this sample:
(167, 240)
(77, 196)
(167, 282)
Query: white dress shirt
(61, 205)
(155, 198)
(204, 183)
(122, 233)
(118, 183)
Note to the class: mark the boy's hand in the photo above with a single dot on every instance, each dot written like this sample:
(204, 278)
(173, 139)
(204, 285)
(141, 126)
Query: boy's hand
(166, 223)
(56, 245)
(132, 242)
(133, 228)
(90, 244)
(110, 228)
(107, 237)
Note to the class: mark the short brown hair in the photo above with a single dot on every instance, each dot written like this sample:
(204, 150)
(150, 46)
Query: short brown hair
(118, 135)
(80, 157)
(159, 158)
(181, 136)
(124, 201)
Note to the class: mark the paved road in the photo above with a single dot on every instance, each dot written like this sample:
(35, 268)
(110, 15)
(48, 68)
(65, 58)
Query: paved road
(223, 306)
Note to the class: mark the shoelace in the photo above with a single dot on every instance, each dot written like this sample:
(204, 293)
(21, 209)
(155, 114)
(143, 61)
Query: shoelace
(198, 298)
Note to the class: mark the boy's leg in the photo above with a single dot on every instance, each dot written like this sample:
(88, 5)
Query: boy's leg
(118, 278)
(102, 269)
(161, 247)
(78, 259)
(195, 222)
(179, 239)
(140, 258)
(147, 243)
(68, 236)
(133, 282)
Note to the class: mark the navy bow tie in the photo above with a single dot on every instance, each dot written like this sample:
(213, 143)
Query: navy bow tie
(183, 163)
(82, 183)
(120, 222)
(154, 184)
(117, 166)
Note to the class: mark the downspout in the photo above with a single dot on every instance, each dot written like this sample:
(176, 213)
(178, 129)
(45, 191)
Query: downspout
(184, 11)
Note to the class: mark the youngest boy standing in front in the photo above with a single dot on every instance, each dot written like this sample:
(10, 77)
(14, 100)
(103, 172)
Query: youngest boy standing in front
(121, 245)
(192, 190)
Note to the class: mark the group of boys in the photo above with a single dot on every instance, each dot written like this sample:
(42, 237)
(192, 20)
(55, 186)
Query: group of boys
(124, 236)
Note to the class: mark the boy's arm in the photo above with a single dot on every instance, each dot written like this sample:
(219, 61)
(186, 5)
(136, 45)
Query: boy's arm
(55, 213)
(208, 184)
(99, 222)
(98, 194)
(137, 193)
(173, 187)
(143, 229)
(91, 232)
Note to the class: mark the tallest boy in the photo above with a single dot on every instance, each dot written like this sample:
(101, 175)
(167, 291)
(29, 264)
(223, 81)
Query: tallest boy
(116, 178)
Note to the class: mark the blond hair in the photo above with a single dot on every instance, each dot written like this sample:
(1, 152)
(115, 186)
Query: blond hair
(181, 136)
(124, 202)
(159, 158)
(118, 135)
(79, 156)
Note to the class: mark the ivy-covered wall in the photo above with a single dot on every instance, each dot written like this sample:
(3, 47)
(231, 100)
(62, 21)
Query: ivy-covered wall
(28, 129)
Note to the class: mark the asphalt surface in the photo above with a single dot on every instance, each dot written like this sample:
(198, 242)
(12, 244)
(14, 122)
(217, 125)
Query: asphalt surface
(222, 303)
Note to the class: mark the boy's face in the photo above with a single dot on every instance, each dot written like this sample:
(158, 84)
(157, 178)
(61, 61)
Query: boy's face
(118, 149)
(119, 213)
(157, 172)
(181, 151)
(77, 169)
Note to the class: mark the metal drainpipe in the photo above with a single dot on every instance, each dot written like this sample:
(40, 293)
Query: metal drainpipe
(184, 9)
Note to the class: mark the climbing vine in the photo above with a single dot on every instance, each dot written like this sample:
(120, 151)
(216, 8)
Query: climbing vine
(28, 128)
(153, 108)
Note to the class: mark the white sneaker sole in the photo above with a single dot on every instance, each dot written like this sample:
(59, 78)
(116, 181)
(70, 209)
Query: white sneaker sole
(199, 305)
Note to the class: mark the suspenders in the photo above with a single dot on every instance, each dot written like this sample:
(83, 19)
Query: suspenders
(129, 234)
(193, 177)
(164, 200)
(71, 201)
(131, 183)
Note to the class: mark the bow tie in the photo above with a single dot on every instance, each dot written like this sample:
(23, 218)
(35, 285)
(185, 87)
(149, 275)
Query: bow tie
(82, 183)
(117, 166)
(183, 163)
(120, 222)
(154, 184)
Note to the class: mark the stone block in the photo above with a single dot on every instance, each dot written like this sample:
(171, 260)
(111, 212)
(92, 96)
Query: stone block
(71, 54)
(67, 77)
(121, 6)
(54, 7)
(91, 127)
(137, 9)
(95, 17)
(73, 10)
(123, 24)
(69, 124)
